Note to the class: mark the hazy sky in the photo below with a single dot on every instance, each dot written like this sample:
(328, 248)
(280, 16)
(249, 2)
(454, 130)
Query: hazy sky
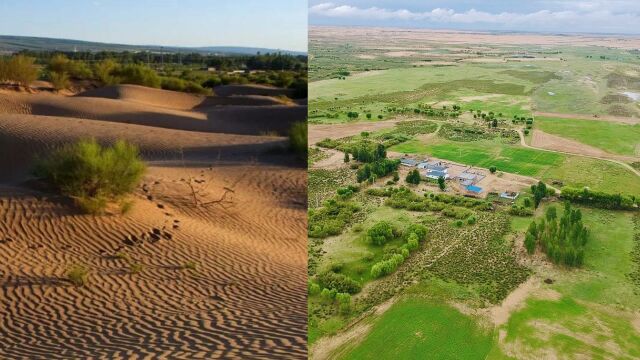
(278, 24)
(595, 16)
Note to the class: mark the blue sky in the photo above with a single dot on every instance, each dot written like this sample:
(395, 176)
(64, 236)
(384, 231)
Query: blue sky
(280, 24)
(589, 16)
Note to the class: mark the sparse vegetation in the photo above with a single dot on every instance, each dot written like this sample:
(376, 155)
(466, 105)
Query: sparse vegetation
(78, 274)
(92, 174)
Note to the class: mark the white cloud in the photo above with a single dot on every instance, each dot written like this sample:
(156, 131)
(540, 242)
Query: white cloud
(580, 16)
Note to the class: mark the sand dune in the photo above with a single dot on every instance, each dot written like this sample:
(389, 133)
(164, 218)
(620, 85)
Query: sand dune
(149, 96)
(228, 90)
(246, 300)
(258, 118)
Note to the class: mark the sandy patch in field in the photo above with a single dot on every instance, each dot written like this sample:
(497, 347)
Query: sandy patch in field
(366, 57)
(541, 139)
(247, 298)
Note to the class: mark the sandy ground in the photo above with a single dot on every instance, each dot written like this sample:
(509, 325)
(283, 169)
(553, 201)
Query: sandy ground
(247, 298)
(186, 112)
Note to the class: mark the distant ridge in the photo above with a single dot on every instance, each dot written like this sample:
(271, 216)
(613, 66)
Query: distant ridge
(10, 44)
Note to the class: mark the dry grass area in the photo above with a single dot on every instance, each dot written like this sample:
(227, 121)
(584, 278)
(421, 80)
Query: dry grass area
(182, 274)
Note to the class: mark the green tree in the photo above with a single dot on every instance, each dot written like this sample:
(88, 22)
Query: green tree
(413, 177)
(441, 183)
(346, 157)
(380, 233)
(493, 169)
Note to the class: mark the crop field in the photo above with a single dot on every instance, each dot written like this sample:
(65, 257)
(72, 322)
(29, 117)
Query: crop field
(473, 288)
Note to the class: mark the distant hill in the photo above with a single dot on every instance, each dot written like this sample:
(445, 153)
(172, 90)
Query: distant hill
(9, 44)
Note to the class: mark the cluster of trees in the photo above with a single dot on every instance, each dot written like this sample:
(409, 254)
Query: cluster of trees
(413, 235)
(413, 177)
(562, 239)
(601, 199)
(377, 169)
(426, 111)
(18, 69)
(339, 282)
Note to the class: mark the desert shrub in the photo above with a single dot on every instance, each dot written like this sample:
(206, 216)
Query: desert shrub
(92, 174)
(19, 69)
(78, 274)
(104, 70)
(190, 265)
(471, 220)
(60, 81)
(138, 75)
(172, 83)
(195, 88)
(298, 137)
(339, 282)
(380, 233)
(135, 268)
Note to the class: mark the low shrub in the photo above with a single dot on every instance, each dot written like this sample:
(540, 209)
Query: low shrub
(92, 174)
(298, 137)
(78, 274)
(339, 282)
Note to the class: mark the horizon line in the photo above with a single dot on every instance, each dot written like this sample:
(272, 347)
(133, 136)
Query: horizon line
(159, 46)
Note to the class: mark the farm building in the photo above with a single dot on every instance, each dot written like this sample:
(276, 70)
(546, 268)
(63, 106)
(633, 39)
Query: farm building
(433, 165)
(435, 174)
(409, 162)
(509, 195)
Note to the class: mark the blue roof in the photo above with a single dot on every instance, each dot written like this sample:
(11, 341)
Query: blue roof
(474, 188)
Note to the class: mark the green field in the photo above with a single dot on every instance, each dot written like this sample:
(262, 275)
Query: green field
(418, 326)
(612, 137)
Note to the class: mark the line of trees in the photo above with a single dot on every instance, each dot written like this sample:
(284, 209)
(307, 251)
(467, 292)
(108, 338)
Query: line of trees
(562, 239)
(600, 199)
(267, 61)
